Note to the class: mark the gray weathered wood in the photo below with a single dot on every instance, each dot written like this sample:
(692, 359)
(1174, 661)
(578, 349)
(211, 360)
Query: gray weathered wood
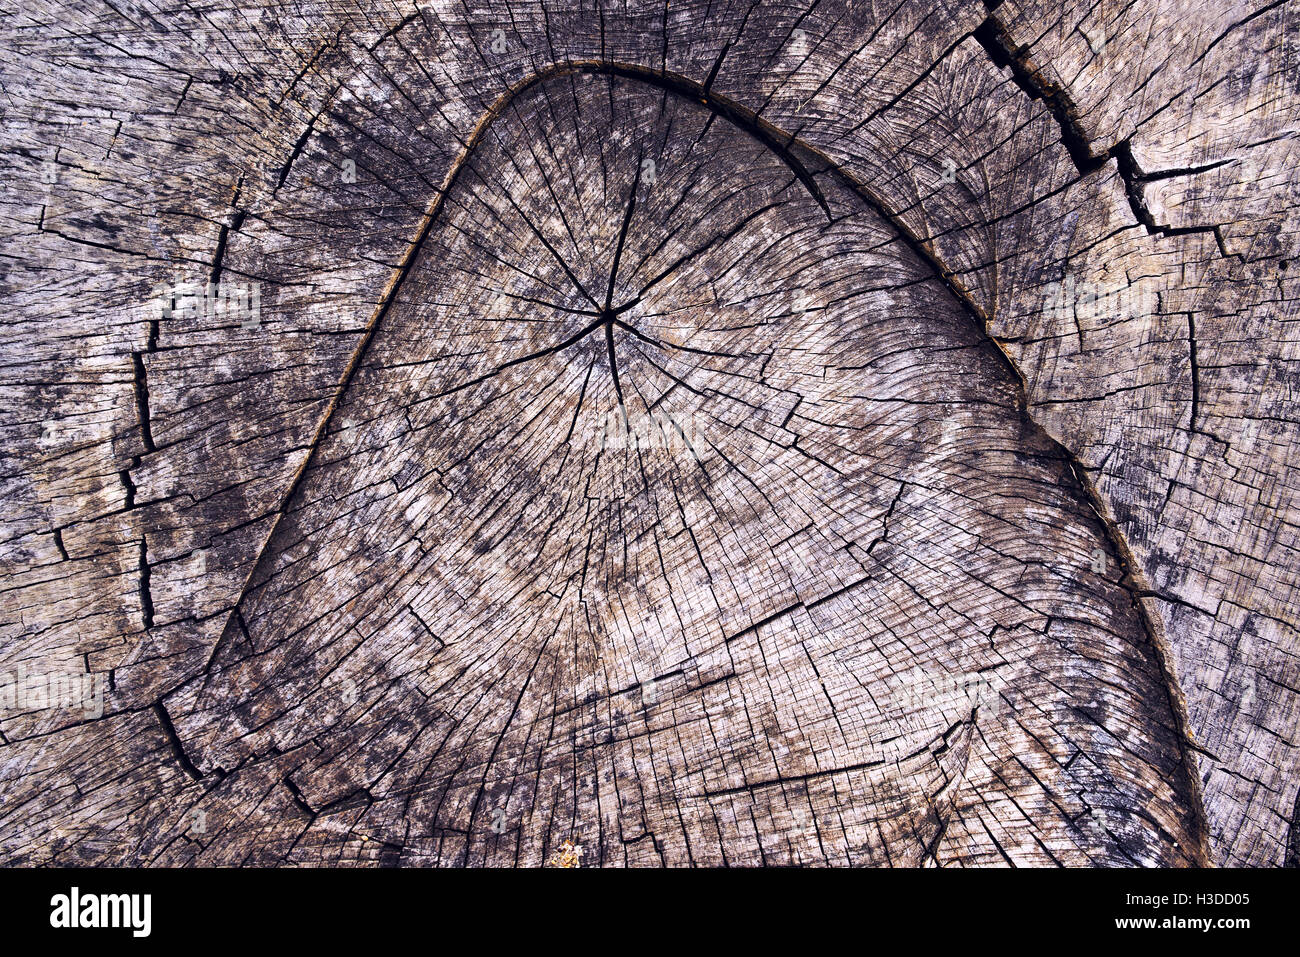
(704, 433)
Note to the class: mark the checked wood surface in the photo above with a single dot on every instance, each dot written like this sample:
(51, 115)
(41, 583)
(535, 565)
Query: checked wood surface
(706, 434)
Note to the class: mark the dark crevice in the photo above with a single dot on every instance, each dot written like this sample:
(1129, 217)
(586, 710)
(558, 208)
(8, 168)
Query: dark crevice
(884, 522)
(298, 799)
(295, 153)
(607, 314)
(993, 37)
(141, 388)
(235, 221)
(794, 154)
(1005, 55)
(128, 485)
(717, 65)
(622, 239)
(1133, 176)
(613, 360)
(316, 56)
(174, 740)
(997, 43)
(1293, 836)
(146, 595)
(1169, 172)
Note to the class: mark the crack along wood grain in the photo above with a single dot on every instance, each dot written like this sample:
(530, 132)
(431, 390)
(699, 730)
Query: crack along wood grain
(1007, 149)
(392, 571)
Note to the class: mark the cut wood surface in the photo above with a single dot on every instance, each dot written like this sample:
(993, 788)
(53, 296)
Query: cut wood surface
(704, 433)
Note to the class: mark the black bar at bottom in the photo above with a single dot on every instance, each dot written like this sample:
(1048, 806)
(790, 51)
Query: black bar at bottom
(695, 908)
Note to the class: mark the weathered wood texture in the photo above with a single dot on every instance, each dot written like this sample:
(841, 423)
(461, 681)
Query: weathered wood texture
(716, 433)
